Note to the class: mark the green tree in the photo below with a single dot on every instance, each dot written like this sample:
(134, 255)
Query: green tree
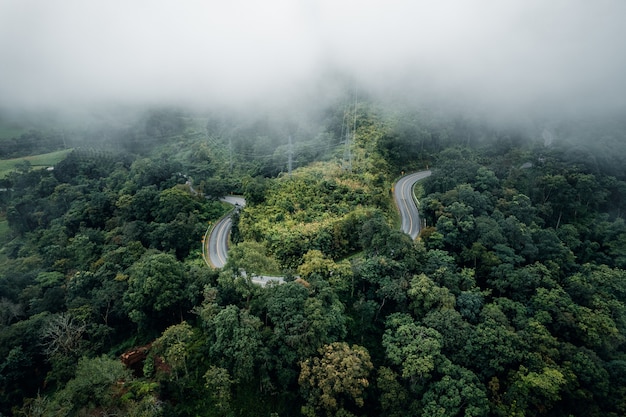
(425, 296)
(235, 342)
(301, 322)
(252, 257)
(255, 189)
(316, 265)
(294, 333)
(174, 201)
(21, 352)
(83, 251)
(536, 392)
(93, 387)
(454, 330)
(179, 235)
(139, 206)
(219, 388)
(493, 346)
(156, 290)
(520, 283)
(486, 180)
(393, 396)
(457, 225)
(587, 379)
(173, 347)
(457, 393)
(386, 280)
(414, 348)
(336, 379)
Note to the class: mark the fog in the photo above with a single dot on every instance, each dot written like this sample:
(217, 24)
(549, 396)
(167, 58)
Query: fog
(527, 56)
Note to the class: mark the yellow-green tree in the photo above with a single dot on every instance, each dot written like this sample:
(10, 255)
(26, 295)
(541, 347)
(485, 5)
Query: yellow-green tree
(334, 381)
(315, 265)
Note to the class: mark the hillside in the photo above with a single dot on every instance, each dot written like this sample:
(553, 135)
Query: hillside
(512, 301)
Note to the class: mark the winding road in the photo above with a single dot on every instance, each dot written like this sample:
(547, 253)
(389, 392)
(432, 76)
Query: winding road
(403, 195)
(215, 244)
(215, 247)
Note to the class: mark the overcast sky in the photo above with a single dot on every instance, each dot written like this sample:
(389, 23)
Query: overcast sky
(498, 53)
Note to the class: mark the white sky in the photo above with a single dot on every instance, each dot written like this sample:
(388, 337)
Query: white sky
(515, 53)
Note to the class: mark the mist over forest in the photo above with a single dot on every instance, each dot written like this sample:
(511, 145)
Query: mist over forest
(528, 57)
(123, 124)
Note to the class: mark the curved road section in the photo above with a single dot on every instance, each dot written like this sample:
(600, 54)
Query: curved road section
(216, 243)
(403, 195)
(215, 247)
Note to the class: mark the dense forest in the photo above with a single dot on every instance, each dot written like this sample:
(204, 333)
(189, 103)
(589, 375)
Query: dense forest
(511, 302)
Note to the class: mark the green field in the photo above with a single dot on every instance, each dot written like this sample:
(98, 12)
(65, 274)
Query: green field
(37, 161)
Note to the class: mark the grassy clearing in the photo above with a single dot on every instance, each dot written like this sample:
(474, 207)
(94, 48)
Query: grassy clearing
(37, 161)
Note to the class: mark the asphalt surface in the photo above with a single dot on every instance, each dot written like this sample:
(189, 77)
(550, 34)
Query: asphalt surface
(403, 195)
(217, 243)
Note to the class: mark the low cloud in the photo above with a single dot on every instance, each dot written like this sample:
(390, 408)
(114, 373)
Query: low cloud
(514, 55)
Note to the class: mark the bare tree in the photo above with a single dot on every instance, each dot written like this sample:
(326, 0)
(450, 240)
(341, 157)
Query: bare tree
(63, 334)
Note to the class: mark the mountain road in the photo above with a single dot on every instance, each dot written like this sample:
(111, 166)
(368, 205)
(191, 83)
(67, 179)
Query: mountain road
(216, 240)
(403, 196)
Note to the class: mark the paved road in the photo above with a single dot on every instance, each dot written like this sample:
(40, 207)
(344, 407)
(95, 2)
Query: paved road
(217, 242)
(403, 195)
(215, 248)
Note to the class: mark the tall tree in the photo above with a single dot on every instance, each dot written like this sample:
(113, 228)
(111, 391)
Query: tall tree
(235, 342)
(156, 290)
(414, 348)
(335, 380)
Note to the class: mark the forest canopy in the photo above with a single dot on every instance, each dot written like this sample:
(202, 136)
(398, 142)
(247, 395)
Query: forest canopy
(512, 301)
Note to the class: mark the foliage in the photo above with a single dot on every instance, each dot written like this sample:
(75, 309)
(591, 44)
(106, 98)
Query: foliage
(317, 209)
(156, 289)
(414, 348)
(338, 375)
(252, 257)
(512, 301)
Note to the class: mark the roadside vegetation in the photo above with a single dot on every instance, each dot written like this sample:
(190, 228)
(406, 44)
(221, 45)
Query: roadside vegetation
(511, 302)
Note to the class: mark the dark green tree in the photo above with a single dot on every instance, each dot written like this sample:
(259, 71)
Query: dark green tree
(156, 294)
